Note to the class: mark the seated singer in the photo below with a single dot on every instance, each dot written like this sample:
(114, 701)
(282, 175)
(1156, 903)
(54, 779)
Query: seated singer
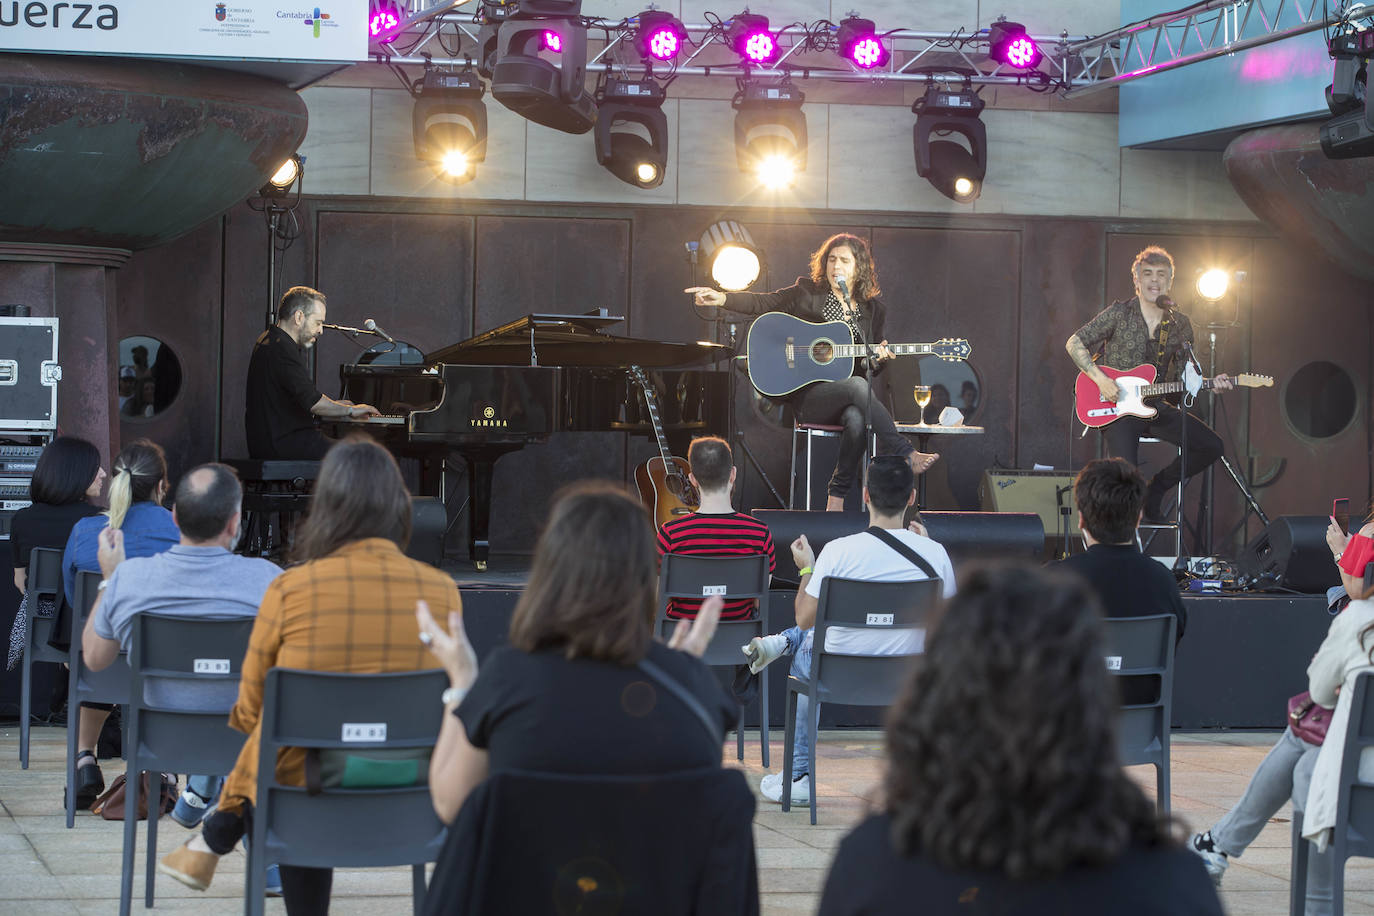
(841, 266)
(1147, 328)
(282, 401)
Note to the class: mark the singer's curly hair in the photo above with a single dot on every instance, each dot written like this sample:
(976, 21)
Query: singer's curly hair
(1002, 750)
(1154, 255)
(864, 285)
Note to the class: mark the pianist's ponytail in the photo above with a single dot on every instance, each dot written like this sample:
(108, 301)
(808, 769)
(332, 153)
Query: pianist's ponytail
(138, 472)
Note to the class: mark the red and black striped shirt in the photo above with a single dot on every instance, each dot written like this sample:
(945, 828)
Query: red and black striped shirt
(730, 535)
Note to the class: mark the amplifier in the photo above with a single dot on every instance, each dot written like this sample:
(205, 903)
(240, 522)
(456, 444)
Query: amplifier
(14, 495)
(1041, 492)
(19, 460)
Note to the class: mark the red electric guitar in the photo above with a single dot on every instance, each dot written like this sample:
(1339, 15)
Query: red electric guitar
(1136, 385)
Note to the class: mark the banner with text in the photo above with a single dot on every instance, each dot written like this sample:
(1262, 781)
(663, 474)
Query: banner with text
(317, 30)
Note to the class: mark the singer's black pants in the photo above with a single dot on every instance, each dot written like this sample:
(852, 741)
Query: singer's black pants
(1204, 445)
(843, 404)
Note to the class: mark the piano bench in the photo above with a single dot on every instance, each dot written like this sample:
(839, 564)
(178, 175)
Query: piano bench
(264, 475)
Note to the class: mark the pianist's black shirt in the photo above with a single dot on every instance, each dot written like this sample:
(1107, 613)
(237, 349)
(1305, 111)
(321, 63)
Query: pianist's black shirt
(280, 393)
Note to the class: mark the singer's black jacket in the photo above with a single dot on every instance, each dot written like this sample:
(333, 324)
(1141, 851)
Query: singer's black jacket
(806, 299)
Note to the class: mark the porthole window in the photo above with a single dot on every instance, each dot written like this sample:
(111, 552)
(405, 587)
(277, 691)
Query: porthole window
(148, 379)
(1320, 400)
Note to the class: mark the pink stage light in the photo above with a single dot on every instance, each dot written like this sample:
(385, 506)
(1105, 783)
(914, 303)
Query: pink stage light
(867, 53)
(760, 46)
(664, 43)
(552, 41)
(384, 25)
(1021, 52)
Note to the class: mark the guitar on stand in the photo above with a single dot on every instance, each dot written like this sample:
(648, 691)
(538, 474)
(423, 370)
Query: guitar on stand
(662, 481)
(787, 353)
(1135, 385)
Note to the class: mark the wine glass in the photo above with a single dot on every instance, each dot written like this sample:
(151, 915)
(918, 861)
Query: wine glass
(922, 395)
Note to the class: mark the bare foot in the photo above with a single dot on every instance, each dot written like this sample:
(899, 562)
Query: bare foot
(834, 504)
(921, 462)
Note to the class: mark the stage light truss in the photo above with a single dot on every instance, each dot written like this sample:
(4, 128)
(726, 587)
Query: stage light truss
(1074, 65)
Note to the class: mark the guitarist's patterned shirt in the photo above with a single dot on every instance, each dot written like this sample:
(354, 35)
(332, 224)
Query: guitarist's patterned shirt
(1117, 336)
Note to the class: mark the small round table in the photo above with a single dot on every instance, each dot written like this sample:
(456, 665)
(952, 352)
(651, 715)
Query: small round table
(923, 432)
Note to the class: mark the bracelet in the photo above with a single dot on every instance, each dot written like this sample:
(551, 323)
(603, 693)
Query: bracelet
(101, 586)
(453, 695)
(806, 571)
(1337, 557)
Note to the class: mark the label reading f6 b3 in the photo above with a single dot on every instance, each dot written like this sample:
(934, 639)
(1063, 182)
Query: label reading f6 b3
(364, 731)
(210, 666)
(880, 620)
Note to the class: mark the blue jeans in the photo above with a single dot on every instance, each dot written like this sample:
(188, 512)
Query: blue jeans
(207, 787)
(799, 647)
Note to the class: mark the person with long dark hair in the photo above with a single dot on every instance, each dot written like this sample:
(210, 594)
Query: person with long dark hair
(1003, 787)
(842, 286)
(137, 489)
(568, 694)
(348, 606)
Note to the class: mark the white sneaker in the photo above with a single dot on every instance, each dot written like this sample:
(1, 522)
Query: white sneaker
(763, 650)
(1213, 858)
(771, 788)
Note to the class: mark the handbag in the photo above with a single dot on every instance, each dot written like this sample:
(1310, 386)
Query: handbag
(110, 804)
(1308, 720)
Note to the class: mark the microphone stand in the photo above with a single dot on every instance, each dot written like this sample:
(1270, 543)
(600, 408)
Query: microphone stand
(870, 369)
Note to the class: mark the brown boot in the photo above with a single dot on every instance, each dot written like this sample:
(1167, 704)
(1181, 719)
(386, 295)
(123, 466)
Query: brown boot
(193, 869)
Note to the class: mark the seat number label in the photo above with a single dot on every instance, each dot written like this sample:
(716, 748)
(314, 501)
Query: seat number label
(880, 620)
(708, 590)
(210, 666)
(364, 731)
(1113, 662)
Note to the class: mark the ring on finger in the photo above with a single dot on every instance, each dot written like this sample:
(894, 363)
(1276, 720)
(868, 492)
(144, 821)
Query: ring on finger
(426, 637)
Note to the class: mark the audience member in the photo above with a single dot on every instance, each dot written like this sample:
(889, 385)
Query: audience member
(580, 688)
(1003, 789)
(715, 529)
(1290, 769)
(891, 488)
(198, 577)
(349, 606)
(136, 492)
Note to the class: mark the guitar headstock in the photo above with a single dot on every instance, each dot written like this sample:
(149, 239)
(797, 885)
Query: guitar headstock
(1253, 381)
(642, 380)
(951, 348)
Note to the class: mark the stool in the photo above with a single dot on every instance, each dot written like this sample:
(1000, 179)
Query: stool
(810, 431)
(280, 488)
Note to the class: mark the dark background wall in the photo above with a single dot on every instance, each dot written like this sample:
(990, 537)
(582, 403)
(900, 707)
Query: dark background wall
(433, 273)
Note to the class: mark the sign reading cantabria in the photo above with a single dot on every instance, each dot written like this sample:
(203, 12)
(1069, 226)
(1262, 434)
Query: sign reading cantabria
(314, 30)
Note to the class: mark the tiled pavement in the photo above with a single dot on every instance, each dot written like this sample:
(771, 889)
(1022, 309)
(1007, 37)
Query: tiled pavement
(47, 869)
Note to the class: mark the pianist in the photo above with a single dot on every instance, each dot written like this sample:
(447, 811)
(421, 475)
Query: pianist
(282, 400)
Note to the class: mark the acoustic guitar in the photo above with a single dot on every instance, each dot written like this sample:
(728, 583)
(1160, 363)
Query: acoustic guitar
(787, 353)
(1135, 386)
(662, 480)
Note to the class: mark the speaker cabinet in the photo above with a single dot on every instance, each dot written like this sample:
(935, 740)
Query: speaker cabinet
(1043, 492)
(1291, 553)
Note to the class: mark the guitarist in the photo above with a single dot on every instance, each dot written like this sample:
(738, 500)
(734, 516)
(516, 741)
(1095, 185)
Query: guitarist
(1147, 329)
(843, 286)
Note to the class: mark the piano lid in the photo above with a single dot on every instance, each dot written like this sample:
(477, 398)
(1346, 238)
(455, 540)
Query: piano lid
(572, 340)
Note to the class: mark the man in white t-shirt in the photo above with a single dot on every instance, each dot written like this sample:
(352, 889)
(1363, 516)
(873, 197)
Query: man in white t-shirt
(890, 489)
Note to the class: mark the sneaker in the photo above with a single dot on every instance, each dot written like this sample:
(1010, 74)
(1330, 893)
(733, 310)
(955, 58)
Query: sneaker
(771, 788)
(193, 869)
(190, 809)
(763, 650)
(1213, 858)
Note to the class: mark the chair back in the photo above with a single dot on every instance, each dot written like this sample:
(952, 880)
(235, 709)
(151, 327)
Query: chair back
(699, 577)
(44, 581)
(349, 828)
(110, 685)
(185, 680)
(544, 842)
(1354, 833)
(1139, 648)
(879, 608)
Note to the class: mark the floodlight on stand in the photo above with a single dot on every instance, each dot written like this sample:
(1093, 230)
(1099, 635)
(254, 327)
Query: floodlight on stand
(554, 96)
(730, 257)
(632, 131)
(749, 36)
(449, 124)
(770, 132)
(660, 35)
(954, 170)
(1009, 44)
(1213, 284)
(859, 43)
(286, 175)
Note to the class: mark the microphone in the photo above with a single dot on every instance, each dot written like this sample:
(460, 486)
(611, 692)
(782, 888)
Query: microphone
(345, 328)
(372, 326)
(1165, 301)
(844, 287)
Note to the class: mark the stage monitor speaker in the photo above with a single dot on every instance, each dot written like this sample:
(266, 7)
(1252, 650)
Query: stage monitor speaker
(1041, 492)
(820, 529)
(971, 536)
(1291, 553)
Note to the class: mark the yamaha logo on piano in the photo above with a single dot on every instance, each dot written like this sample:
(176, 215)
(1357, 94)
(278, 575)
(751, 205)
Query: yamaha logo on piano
(488, 419)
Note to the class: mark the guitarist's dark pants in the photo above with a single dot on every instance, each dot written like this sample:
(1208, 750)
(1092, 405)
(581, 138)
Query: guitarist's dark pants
(843, 404)
(1204, 447)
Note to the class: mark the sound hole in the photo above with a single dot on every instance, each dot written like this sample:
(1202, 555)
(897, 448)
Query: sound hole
(1320, 400)
(822, 351)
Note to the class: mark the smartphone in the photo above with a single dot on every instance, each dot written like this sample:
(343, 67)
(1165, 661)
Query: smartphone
(1340, 514)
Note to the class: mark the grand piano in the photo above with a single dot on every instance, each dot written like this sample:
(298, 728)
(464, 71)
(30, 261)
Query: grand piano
(513, 386)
